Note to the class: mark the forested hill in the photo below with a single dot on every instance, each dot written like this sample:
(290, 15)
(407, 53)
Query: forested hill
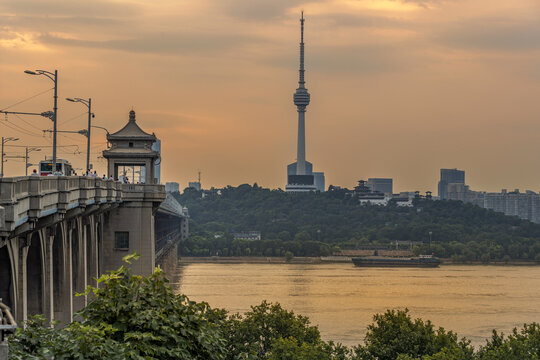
(318, 223)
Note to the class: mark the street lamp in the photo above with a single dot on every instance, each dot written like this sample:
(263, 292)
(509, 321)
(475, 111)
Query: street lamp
(101, 127)
(88, 104)
(107, 131)
(54, 78)
(28, 151)
(83, 132)
(5, 140)
(430, 233)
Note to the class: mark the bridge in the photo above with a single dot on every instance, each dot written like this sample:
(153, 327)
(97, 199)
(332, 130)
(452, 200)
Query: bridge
(58, 234)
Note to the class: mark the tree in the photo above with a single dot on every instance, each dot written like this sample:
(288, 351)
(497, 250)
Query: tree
(394, 333)
(290, 349)
(284, 235)
(463, 232)
(302, 236)
(523, 345)
(256, 331)
(131, 317)
(288, 256)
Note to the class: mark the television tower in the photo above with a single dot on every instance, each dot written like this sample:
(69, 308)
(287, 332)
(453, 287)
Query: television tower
(301, 100)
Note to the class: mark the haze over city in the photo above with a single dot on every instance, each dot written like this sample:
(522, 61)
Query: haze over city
(398, 88)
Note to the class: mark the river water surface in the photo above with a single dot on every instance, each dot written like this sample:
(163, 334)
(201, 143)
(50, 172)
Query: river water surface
(341, 299)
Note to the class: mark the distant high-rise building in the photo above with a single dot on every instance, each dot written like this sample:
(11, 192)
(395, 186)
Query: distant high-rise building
(382, 185)
(319, 180)
(300, 176)
(449, 176)
(196, 184)
(156, 146)
(171, 187)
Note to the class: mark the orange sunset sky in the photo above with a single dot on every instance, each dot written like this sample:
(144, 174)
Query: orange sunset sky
(399, 88)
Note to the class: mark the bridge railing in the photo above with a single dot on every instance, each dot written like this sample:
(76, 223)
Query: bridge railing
(28, 198)
(167, 241)
(7, 324)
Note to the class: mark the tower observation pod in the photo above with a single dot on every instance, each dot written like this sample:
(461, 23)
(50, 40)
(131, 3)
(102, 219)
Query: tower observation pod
(300, 175)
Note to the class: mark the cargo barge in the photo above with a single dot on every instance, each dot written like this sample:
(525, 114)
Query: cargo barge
(426, 261)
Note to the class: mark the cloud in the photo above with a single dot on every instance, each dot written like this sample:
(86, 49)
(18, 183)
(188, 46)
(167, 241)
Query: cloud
(59, 8)
(354, 59)
(362, 59)
(54, 21)
(492, 34)
(259, 10)
(360, 20)
(162, 43)
(425, 3)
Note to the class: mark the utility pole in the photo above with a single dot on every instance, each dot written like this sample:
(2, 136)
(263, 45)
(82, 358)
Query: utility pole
(55, 121)
(28, 150)
(5, 140)
(88, 137)
(88, 104)
(26, 162)
(54, 78)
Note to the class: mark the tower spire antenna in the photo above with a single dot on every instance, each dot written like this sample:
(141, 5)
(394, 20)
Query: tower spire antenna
(301, 81)
(301, 100)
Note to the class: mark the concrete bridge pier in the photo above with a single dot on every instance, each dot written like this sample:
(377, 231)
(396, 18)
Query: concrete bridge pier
(61, 274)
(78, 263)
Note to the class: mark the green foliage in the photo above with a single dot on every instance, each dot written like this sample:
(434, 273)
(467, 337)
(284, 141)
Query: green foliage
(523, 345)
(40, 341)
(255, 332)
(131, 317)
(151, 320)
(35, 341)
(289, 256)
(290, 349)
(395, 333)
(316, 224)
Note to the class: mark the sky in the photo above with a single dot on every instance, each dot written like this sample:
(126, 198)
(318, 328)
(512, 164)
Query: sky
(399, 88)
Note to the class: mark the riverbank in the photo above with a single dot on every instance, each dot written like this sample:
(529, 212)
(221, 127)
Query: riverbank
(249, 260)
(323, 260)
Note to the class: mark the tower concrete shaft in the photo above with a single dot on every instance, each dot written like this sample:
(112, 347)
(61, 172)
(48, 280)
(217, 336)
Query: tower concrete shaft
(301, 100)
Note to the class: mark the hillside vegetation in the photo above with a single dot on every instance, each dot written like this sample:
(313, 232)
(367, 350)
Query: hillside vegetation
(314, 224)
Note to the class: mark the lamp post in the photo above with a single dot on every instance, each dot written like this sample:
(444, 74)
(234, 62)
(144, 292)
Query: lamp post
(28, 151)
(88, 104)
(54, 78)
(430, 233)
(5, 140)
(101, 127)
(81, 132)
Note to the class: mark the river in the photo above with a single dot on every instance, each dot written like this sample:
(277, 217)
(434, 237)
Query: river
(341, 299)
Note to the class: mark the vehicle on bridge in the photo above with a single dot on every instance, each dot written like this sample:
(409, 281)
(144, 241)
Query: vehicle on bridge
(62, 166)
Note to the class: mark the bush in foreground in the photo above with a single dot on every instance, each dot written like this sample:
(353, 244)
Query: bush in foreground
(131, 317)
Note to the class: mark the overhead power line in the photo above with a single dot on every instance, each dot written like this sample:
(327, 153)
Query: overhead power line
(14, 127)
(73, 118)
(29, 98)
(43, 146)
(26, 122)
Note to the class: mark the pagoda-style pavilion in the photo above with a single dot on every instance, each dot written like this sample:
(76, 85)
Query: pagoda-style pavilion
(131, 156)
